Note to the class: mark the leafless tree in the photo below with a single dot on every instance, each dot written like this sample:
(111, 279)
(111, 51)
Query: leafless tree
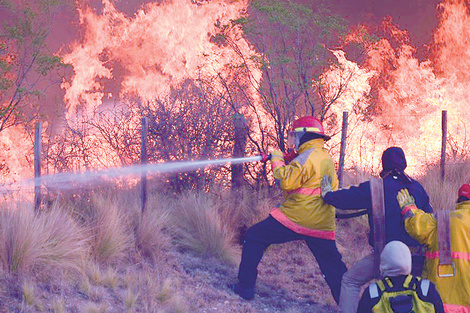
(292, 40)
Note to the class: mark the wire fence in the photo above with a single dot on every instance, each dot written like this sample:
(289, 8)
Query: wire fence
(416, 162)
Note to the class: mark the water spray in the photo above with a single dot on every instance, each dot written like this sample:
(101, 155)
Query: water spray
(61, 180)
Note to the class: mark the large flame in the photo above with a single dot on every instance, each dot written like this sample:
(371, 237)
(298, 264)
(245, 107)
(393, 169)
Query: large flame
(410, 95)
(160, 46)
(13, 144)
(393, 98)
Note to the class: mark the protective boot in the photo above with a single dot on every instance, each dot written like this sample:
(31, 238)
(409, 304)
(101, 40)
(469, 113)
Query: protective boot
(245, 293)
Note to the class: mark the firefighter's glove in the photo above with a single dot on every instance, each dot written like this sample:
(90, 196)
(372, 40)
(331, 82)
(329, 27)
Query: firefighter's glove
(405, 199)
(290, 155)
(326, 185)
(277, 155)
(265, 157)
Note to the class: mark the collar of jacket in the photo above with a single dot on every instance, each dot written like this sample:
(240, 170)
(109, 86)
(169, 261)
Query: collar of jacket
(314, 143)
(463, 205)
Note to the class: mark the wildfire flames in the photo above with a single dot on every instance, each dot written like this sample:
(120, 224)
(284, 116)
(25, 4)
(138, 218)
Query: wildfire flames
(412, 95)
(164, 44)
(161, 46)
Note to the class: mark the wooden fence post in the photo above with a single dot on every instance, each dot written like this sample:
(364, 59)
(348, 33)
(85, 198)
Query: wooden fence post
(239, 145)
(344, 133)
(444, 142)
(37, 165)
(144, 161)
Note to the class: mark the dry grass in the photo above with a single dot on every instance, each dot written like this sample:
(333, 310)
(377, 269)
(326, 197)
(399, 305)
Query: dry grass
(58, 306)
(153, 293)
(28, 293)
(199, 227)
(151, 240)
(94, 308)
(130, 299)
(129, 263)
(109, 225)
(37, 243)
(93, 273)
(84, 286)
(111, 279)
(245, 206)
(443, 195)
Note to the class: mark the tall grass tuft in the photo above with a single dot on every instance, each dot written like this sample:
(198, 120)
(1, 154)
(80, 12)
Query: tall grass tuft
(443, 194)
(28, 292)
(245, 206)
(37, 243)
(58, 306)
(110, 229)
(199, 227)
(151, 239)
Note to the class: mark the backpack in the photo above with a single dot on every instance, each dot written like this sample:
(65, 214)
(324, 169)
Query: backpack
(404, 300)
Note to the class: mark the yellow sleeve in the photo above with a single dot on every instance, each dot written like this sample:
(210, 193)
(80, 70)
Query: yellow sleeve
(291, 176)
(419, 224)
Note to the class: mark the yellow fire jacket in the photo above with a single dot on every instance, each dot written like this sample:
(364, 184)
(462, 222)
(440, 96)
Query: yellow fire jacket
(454, 290)
(303, 210)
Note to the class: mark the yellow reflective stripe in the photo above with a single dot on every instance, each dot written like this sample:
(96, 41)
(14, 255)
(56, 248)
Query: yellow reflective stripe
(406, 284)
(381, 285)
(307, 129)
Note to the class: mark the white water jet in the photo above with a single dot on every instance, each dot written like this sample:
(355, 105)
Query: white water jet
(63, 180)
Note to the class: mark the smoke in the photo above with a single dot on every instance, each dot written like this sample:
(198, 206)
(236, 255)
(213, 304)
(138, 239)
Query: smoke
(418, 17)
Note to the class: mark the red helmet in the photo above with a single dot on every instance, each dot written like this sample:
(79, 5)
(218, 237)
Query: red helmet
(309, 124)
(464, 190)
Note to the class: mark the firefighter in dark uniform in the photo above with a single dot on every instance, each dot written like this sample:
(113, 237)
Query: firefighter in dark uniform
(359, 197)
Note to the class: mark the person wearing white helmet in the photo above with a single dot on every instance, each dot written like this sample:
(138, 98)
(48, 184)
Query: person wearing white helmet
(399, 291)
(393, 178)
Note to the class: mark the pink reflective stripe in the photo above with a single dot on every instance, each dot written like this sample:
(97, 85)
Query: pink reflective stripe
(306, 191)
(432, 255)
(455, 255)
(455, 308)
(461, 255)
(277, 163)
(407, 208)
(299, 229)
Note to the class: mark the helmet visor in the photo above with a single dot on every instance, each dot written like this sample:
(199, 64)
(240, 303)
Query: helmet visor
(293, 139)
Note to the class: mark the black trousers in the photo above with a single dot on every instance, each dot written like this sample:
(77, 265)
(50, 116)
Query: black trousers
(269, 231)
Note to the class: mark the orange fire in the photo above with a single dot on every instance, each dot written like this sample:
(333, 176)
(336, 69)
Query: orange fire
(143, 56)
(410, 95)
(121, 57)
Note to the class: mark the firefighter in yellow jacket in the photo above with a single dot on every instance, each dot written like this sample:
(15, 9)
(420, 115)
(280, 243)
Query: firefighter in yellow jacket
(453, 280)
(302, 215)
